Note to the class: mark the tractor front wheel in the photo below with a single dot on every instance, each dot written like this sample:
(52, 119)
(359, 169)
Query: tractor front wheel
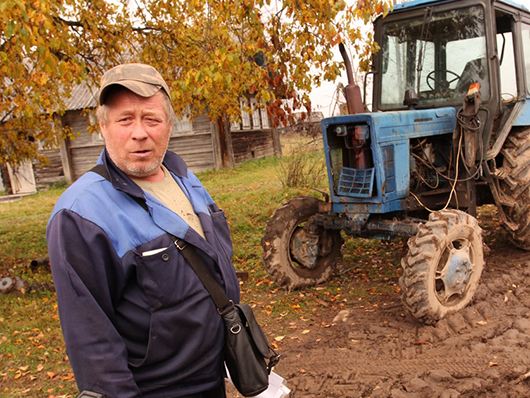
(442, 269)
(295, 254)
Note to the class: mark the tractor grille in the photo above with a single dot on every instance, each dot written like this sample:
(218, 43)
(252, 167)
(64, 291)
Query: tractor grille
(358, 183)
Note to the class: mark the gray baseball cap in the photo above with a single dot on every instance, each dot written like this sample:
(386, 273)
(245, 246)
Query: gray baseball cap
(141, 79)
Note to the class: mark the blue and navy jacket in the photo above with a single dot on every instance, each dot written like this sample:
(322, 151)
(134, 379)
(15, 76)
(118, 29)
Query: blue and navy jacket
(135, 317)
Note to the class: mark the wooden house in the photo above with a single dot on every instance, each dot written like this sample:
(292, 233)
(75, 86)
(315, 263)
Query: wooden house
(204, 145)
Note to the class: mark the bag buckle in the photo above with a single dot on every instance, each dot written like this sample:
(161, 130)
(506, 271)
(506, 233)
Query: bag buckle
(181, 244)
(228, 308)
(274, 359)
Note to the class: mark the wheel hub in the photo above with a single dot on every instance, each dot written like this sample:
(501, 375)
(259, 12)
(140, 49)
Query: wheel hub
(307, 247)
(456, 272)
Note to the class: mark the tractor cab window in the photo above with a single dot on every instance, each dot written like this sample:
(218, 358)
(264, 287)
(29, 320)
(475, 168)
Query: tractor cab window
(526, 53)
(438, 55)
(506, 55)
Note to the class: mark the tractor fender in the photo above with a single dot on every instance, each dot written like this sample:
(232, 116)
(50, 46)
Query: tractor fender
(519, 116)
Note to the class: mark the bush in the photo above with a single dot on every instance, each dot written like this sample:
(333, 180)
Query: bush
(304, 167)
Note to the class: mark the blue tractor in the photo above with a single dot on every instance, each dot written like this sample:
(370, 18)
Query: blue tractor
(449, 131)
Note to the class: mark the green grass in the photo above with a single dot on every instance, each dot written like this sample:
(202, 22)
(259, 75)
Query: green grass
(32, 355)
(33, 361)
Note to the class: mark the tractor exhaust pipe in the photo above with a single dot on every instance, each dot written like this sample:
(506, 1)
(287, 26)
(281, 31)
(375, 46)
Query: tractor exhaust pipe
(352, 91)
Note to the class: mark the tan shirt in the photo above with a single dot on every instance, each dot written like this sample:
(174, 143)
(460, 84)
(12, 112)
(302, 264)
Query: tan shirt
(169, 192)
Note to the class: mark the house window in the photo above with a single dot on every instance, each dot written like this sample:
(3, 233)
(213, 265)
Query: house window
(182, 123)
(97, 138)
(256, 122)
(245, 117)
(264, 117)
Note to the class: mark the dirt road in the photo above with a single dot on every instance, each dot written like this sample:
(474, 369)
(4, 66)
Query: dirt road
(380, 351)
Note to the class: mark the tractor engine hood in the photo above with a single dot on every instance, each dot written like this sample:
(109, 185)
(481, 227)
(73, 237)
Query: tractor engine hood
(386, 176)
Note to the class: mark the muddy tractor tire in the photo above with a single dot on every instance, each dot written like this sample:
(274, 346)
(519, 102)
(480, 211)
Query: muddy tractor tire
(442, 269)
(297, 257)
(515, 186)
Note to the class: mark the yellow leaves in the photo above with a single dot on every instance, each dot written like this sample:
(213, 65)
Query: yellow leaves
(265, 96)
(22, 372)
(42, 79)
(34, 49)
(382, 7)
(208, 50)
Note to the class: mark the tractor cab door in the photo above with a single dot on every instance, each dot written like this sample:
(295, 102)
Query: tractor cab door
(525, 56)
(506, 57)
(511, 65)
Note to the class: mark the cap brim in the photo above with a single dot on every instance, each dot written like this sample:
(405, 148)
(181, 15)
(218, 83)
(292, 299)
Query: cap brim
(142, 89)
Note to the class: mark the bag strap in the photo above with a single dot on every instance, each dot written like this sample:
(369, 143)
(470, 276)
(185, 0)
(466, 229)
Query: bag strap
(222, 302)
(101, 170)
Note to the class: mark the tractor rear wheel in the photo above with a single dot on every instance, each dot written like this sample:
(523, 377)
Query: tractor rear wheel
(515, 186)
(297, 256)
(442, 269)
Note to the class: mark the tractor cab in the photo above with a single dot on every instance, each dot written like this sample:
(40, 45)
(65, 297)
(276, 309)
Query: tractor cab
(433, 51)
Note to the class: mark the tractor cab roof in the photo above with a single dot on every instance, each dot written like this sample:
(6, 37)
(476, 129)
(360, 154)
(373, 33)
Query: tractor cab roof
(422, 3)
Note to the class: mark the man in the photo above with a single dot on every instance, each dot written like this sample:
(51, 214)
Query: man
(136, 319)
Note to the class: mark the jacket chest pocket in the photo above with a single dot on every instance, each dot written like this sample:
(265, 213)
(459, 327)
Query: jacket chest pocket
(223, 233)
(165, 277)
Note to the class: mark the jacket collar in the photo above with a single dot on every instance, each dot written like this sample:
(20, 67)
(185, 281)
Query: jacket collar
(123, 182)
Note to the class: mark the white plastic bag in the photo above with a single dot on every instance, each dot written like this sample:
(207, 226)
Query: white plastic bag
(277, 387)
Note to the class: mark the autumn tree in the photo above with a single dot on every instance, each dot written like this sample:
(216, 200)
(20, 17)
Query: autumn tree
(45, 48)
(214, 52)
(211, 52)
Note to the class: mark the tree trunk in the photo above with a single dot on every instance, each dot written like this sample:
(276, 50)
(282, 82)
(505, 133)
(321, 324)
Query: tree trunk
(6, 182)
(225, 143)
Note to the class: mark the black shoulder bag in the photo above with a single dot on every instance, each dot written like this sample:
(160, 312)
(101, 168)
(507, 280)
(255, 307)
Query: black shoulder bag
(248, 355)
(247, 350)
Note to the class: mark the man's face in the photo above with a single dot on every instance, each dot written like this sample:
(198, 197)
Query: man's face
(137, 133)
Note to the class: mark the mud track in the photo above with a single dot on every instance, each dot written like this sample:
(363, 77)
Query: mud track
(381, 351)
